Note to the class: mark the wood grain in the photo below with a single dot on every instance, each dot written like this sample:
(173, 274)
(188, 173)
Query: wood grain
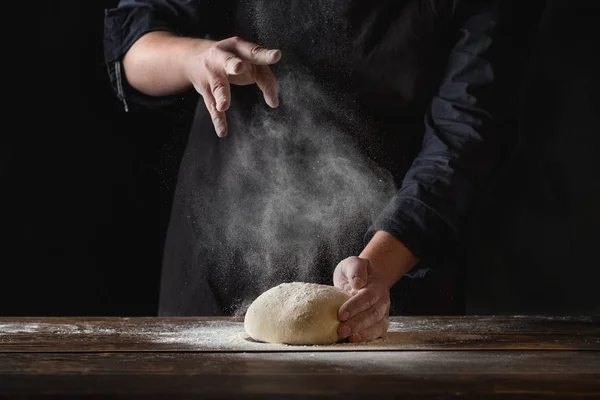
(482, 357)
(457, 374)
(227, 335)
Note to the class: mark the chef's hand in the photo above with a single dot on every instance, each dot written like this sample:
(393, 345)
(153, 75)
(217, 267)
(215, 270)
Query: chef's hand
(236, 61)
(368, 279)
(163, 63)
(366, 315)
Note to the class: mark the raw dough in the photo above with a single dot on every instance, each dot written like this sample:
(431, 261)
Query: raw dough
(296, 313)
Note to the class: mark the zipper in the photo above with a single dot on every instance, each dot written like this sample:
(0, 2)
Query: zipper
(120, 91)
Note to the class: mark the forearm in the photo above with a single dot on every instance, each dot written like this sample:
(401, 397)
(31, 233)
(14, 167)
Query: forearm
(389, 256)
(155, 64)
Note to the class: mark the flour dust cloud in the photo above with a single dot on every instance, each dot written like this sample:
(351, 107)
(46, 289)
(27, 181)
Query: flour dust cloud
(294, 197)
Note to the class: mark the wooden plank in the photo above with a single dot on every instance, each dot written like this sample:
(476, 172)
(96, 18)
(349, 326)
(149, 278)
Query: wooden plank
(422, 374)
(227, 335)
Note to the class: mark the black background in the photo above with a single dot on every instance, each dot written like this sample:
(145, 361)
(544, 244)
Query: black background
(536, 246)
(85, 188)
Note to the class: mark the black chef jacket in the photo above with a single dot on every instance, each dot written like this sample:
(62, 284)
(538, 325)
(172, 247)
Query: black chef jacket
(425, 90)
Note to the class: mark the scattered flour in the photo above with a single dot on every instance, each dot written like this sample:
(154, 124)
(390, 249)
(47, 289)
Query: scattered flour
(226, 335)
(230, 336)
(45, 328)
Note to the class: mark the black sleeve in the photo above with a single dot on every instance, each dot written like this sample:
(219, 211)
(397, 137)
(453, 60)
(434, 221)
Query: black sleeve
(131, 19)
(469, 132)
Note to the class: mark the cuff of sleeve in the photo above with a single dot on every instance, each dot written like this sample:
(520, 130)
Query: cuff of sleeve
(415, 224)
(122, 28)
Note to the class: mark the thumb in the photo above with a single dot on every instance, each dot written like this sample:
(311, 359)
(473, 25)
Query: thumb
(356, 271)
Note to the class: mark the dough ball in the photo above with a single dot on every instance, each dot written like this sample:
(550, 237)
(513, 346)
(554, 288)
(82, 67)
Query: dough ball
(296, 313)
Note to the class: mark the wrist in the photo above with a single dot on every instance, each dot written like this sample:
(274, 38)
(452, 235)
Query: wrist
(390, 258)
(160, 63)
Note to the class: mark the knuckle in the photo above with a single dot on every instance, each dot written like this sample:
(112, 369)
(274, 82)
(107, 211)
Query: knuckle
(212, 109)
(256, 50)
(212, 52)
(217, 85)
(211, 106)
(229, 58)
(206, 62)
(236, 39)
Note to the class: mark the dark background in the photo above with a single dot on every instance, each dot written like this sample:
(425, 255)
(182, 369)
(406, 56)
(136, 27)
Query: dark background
(536, 246)
(86, 188)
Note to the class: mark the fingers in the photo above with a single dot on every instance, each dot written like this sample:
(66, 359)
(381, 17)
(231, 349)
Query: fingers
(227, 61)
(251, 52)
(218, 117)
(376, 331)
(366, 318)
(244, 62)
(368, 323)
(362, 301)
(268, 84)
(221, 91)
(259, 59)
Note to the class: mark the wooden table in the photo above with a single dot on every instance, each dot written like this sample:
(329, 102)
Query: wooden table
(421, 358)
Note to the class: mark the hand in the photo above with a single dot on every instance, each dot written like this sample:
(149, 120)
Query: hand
(212, 69)
(365, 316)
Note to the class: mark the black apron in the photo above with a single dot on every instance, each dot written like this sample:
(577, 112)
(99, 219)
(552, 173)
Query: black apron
(292, 191)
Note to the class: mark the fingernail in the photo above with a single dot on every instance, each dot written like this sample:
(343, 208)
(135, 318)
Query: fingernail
(275, 54)
(355, 338)
(345, 315)
(346, 331)
(271, 101)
